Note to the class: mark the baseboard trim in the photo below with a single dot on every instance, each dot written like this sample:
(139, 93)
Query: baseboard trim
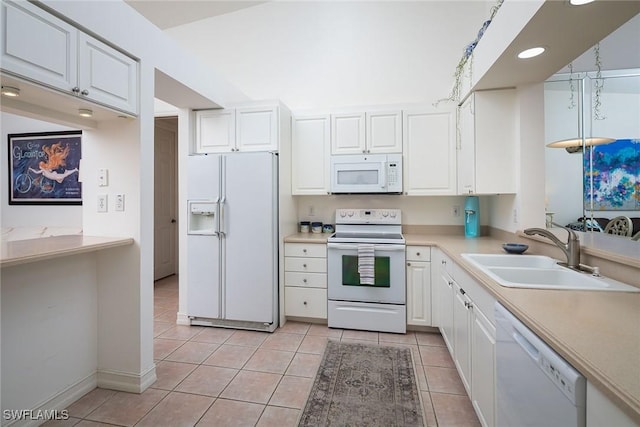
(126, 381)
(57, 403)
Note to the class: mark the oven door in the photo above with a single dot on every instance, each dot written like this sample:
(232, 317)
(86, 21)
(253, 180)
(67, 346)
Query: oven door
(343, 282)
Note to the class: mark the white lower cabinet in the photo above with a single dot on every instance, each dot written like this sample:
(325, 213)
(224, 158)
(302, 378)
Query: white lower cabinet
(466, 321)
(305, 285)
(419, 286)
(602, 412)
(483, 369)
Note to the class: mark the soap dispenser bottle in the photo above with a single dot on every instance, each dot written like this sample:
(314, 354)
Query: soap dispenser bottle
(472, 217)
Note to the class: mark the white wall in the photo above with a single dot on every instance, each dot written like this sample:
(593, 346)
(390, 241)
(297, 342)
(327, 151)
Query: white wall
(318, 54)
(26, 215)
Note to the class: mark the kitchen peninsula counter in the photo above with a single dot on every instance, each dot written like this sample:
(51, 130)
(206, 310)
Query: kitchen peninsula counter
(43, 248)
(598, 332)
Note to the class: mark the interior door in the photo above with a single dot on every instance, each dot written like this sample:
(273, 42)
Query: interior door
(250, 228)
(165, 197)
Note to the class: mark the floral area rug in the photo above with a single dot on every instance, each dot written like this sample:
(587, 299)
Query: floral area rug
(364, 385)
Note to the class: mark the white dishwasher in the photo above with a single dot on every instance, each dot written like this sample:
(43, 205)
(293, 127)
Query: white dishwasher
(535, 387)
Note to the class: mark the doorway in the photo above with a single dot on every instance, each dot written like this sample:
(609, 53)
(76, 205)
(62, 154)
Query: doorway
(165, 197)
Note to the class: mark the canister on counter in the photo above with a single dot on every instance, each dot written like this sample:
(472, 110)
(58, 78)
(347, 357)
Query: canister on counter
(316, 227)
(305, 226)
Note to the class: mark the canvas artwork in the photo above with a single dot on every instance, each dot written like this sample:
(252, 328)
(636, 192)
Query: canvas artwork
(613, 180)
(44, 168)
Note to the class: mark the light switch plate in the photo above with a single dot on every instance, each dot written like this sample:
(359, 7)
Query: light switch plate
(119, 203)
(102, 203)
(103, 177)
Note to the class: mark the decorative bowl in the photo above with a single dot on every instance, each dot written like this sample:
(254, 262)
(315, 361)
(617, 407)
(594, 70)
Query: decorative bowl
(515, 248)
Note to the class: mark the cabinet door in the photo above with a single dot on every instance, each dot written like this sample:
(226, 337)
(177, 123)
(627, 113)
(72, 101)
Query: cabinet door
(419, 293)
(107, 76)
(257, 129)
(348, 133)
(466, 148)
(445, 308)
(429, 153)
(495, 141)
(384, 132)
(462, 336)
(38, 46)
(215, 131)
(483, 347)
(310, 155)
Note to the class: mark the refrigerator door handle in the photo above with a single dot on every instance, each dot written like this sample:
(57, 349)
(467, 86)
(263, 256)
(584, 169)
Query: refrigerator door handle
(222, 230)
(217, 218)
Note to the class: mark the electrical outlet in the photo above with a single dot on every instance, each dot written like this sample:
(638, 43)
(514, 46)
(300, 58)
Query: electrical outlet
(119, 202)
(456, 210)
(102, 203)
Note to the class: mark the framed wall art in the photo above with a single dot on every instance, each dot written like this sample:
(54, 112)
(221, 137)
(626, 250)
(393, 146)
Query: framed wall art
(44, 168)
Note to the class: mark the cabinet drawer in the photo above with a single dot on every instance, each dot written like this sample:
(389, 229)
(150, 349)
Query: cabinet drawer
(309, 265)
(311, 250)
(305, 302)
(418, 253)
(308, 280)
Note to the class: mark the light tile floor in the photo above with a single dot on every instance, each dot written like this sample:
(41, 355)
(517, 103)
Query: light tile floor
(224, 377)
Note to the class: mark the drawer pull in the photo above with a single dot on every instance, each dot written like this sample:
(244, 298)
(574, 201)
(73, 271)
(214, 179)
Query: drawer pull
(304, 251)
(304, 265)
(304, 280)
(417, 253)
(304, 302)
(444, 262)
(409, 264)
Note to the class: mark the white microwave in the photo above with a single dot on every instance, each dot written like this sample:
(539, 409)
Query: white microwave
(368, 173)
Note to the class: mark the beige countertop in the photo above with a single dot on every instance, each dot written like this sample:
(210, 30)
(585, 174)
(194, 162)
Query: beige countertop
(598, 332)
(32, 250)
(307, 238)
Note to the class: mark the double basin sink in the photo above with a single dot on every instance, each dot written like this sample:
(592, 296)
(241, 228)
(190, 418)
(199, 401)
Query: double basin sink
(540, 272)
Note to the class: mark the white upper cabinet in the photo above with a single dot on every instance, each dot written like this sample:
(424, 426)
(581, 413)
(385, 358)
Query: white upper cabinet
(487, 144)
(366, 133)
(106, 75)
(310, 155)
(215, 131)
(237, 129)
(348, 133)
(384, 132)
(39, 47)
(257, 129)
(429, 152)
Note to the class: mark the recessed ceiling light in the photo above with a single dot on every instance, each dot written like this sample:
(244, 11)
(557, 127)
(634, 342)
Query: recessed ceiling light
(530, 53)
(10, 91)
(85, 112)
(580, 2)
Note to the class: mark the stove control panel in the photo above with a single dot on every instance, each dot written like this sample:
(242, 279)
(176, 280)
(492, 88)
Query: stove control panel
(368, 216)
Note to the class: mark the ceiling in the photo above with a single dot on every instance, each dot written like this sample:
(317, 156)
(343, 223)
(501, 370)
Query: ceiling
(171, 13)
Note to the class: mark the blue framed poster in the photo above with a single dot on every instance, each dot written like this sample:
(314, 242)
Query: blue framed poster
(612, 180)
(44, 168)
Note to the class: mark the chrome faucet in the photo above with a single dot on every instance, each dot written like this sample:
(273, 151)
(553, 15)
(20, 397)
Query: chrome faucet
(571, 249)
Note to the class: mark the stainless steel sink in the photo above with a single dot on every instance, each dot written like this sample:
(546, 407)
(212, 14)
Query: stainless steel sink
(540, 272)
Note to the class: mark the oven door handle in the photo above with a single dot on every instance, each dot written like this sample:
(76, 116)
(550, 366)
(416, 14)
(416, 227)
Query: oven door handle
(354, 246)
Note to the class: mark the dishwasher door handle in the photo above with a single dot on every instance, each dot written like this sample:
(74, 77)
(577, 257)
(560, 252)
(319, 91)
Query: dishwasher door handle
(526, 345)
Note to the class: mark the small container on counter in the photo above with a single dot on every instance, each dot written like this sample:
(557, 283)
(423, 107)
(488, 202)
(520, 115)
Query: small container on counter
(305, 226)
(316, 227)
(327, 228)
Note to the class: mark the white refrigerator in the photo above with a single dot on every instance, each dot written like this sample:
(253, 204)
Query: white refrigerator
(232, 244)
